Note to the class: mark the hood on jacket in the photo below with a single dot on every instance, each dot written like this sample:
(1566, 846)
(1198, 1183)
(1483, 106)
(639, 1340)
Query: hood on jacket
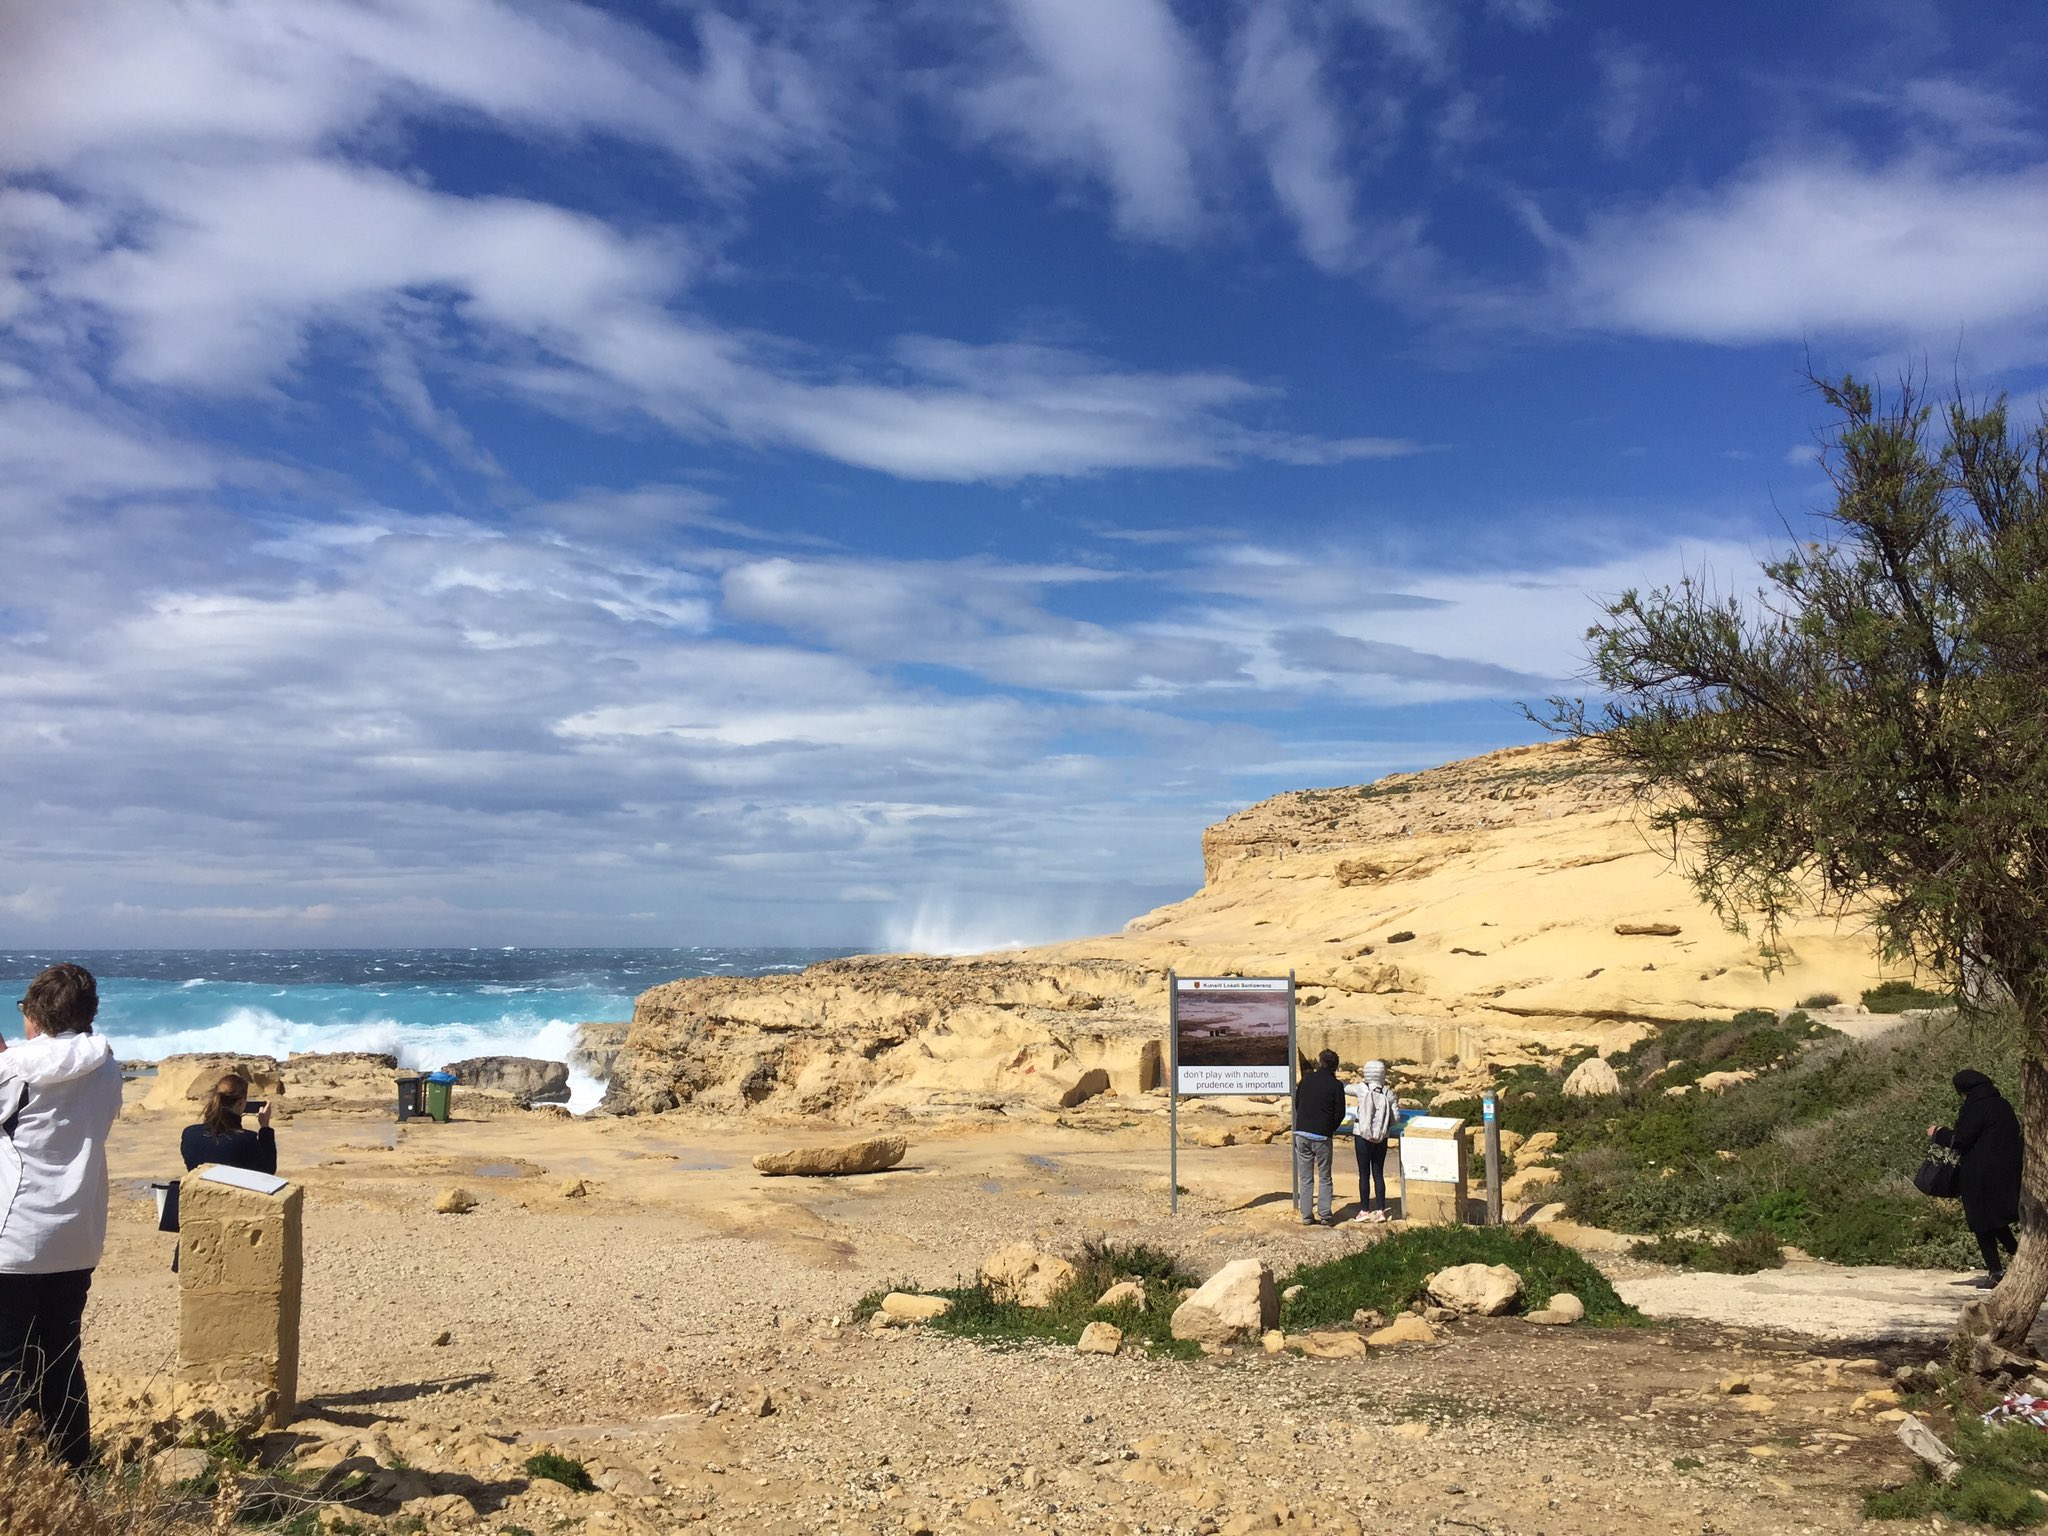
(1968, 1082)
(51, 1059)
(1376, 1073)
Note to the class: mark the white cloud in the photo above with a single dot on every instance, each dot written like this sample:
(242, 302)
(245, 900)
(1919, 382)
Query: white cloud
(1915, 248)
(1968, 114)
(1422, 32)
(1625, 107)
(1111, 89)
(112, 77)
(1283, 103)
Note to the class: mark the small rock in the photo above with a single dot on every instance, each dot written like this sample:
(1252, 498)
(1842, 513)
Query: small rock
(1879, 1397)
(760, 1404)
(1405, 1329)
(1292, 1291)
(1333, 1346)
(1564, 1308)
(573, 1189)
(902, 1308)
(454, 1202)
(1273, 1341)
(1100, 1339)
(1125, 1293)
(1733, 1386)
(443, 1339)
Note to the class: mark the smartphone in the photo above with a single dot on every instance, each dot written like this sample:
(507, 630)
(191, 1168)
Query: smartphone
(256, 1106)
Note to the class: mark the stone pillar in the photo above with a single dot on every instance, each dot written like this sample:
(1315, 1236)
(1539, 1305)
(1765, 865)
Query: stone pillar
(1433, 1166)
(240, 1257)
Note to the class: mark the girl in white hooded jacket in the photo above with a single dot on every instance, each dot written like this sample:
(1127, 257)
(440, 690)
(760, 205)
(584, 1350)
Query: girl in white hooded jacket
(1377, 1114)
(59, 1093)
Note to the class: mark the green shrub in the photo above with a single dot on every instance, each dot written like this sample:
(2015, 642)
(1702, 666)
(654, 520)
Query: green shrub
(1391, 1274)
(1745, 1255)
(1898, 996)
(977, 1314)
(1819, 1000)
(1821, 1151)
(571, 1474)
(2002, 1466)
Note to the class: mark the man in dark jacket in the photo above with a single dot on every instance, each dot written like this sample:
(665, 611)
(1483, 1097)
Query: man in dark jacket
(1318, 1110)
(1987, 1145)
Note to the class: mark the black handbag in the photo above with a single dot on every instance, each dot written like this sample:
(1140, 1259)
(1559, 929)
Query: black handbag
(1939, 1176)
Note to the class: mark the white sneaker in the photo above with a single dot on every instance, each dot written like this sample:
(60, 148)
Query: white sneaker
(1362, 1216)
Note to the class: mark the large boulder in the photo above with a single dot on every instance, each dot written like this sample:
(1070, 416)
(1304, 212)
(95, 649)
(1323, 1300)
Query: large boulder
(1483, 1290)
(1590, 1079)
(1019, 1273)
(1237, 1302)
(870, 1156)
(524, 1077)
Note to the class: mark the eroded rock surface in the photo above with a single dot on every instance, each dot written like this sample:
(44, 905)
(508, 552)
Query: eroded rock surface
(1532, 911)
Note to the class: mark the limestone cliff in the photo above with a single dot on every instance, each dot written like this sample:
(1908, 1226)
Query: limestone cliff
(1451, 914)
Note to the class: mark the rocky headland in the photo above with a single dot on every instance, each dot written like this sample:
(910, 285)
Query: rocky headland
(1504, 908)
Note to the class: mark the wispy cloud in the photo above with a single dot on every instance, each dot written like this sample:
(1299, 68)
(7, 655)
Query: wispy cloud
(1111, 90)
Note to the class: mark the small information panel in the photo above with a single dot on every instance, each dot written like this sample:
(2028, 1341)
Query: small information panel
(1430, 1157)
(1233, 1034)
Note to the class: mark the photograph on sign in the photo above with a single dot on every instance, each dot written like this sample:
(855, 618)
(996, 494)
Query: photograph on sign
(1233, 1035)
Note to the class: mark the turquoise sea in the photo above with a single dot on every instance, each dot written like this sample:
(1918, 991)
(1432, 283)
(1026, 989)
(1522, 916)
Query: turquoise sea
(425, 1006)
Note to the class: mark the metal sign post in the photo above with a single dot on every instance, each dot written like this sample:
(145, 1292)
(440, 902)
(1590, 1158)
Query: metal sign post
(1489, 1110)
(1172, 1095)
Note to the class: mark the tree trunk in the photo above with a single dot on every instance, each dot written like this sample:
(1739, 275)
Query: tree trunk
(2009, 1312)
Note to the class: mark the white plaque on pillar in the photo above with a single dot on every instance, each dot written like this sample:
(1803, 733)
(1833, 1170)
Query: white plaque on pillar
(245, 1178)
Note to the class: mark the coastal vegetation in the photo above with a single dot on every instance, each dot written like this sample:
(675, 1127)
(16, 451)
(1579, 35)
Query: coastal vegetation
(1817, 1150)
(1391, 1275)
(1864, 734)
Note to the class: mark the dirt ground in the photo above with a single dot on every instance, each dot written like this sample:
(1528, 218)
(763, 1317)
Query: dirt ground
(639, 1326)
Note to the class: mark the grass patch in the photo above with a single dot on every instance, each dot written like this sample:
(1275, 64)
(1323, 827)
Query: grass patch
(1745, 1255)
(1819, 1000)
(1898, 996)
(566, 1470)
(977, 1314)
(2002, 1466)
(1393, 1272)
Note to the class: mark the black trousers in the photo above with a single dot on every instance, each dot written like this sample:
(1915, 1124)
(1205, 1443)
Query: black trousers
(1989, 1241)
(1372, 1173)
(40, 1369)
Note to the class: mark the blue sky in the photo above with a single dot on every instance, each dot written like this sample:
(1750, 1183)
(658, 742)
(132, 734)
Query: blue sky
(891, 474)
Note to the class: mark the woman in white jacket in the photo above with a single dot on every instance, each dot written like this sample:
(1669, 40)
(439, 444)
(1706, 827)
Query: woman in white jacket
(1373, 1122)
(59, 1093)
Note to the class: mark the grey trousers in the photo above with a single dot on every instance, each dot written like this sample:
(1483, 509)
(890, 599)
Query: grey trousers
(1312, 1176)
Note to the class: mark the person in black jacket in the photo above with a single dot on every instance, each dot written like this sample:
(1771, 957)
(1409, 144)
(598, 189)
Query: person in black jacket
(1318, 1111)
(220, 1137)
(1987, 1142)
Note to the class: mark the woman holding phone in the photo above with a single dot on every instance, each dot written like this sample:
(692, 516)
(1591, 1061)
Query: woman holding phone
(220, 1136)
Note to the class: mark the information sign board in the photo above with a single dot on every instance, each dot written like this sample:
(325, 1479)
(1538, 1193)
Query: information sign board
(1233, 1034)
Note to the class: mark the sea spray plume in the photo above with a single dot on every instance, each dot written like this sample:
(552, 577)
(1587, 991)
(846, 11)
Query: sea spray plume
(951, 924)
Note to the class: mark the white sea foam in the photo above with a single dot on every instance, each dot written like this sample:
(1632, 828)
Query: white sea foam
(260, 1032)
